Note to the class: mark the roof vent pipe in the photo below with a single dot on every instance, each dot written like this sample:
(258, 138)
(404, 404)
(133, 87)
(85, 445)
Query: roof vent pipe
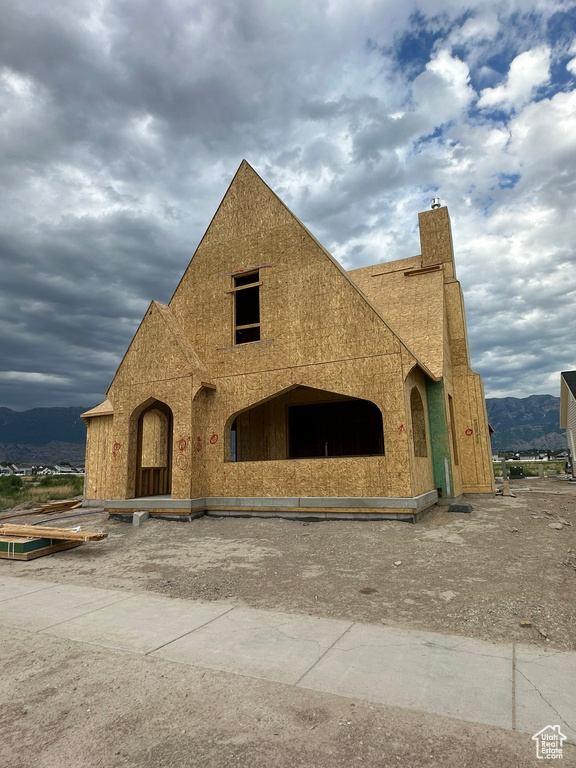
(435, 203)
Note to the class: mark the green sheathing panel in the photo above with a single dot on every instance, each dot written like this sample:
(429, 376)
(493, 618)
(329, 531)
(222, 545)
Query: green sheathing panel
(25, 545)
(439, 439)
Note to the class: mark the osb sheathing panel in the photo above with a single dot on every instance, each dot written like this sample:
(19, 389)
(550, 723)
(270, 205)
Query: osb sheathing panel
(154, 439)
(159, 351)
(413, 306)
(376, 379)
(121, 457)
(422, 472)
(435, 237)
(399, 265)
(457, 324)
(304, 477)
(305, 299)
(473, 438)
(447, 361)
(99, 447)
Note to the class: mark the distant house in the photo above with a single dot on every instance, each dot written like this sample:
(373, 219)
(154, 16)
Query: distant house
(22, 469)
(64, 469)
(4, 471)
(568, 410)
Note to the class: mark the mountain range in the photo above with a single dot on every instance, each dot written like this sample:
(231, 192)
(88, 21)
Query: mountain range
(53, 435)
(522, 423)
(43, 435)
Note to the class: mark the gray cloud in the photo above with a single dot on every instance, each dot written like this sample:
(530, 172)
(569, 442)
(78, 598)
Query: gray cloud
(122, 123)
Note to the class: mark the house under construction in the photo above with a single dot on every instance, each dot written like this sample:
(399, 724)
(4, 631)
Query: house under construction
(275, 382)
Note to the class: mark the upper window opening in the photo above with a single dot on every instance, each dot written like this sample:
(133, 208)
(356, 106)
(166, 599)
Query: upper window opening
(246, 308)
(245, 279)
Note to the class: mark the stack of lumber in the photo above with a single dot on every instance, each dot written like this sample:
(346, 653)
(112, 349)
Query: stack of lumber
(25, 542)
(47, 509)
(59, 506)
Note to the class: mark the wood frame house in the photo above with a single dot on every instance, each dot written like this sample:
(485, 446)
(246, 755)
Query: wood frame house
(275, 382)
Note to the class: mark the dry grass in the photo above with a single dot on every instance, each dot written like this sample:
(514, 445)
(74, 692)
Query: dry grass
(530, 467)
(50, 489)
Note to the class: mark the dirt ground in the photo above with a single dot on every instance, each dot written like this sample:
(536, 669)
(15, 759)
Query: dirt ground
(71, 705)
(482, 575)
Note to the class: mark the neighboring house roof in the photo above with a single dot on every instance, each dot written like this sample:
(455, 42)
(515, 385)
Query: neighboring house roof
(570, 379)
(567, 388)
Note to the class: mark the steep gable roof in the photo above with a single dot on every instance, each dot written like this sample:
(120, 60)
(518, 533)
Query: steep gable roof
(236, 217)
(159, 350)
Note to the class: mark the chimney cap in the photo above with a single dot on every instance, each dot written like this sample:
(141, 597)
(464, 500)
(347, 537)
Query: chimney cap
(435, 203)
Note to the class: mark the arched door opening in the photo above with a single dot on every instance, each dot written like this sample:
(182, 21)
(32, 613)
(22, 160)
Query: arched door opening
(306, 423)
(154, 451)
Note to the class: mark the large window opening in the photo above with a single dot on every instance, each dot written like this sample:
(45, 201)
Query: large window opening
(418, 424)
(306, 423)
(246, 292)
(349, 428)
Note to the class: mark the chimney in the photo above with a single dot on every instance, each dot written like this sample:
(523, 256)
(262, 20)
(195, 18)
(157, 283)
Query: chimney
(435, 235)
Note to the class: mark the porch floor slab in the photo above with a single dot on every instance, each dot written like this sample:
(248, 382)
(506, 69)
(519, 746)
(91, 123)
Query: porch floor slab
(318, 507)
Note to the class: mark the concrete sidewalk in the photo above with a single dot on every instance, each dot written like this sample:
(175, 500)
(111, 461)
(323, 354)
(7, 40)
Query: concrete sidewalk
(515, 687)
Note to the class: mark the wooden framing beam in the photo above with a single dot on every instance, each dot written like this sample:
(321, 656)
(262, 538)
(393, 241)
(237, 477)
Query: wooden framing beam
(41, 532)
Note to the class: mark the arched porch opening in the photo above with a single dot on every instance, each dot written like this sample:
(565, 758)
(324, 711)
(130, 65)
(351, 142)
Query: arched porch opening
(306, 423)
(154, 451)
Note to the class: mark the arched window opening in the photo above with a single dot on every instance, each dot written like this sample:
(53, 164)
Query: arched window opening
(418, 424)
(306, 423)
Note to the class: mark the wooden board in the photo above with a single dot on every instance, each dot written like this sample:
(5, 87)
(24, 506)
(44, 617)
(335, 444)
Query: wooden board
(37, 531)
(40, 552)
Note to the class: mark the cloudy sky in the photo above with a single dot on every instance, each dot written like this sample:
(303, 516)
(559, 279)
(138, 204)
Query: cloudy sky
(122, 123)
